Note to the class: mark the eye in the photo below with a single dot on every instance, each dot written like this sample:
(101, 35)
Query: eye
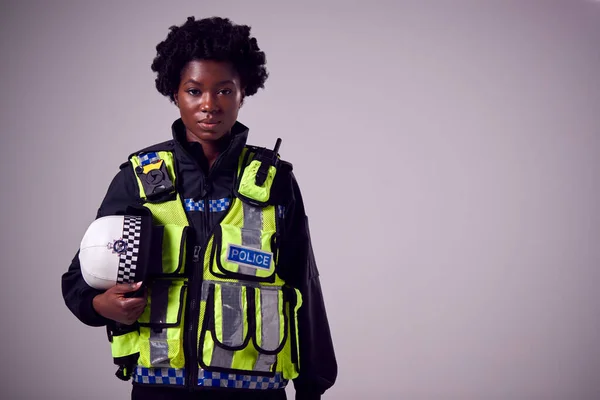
(193, 92)
(225, 91)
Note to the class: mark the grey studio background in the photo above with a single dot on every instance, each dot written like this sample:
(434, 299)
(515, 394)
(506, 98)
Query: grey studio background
(448, 153)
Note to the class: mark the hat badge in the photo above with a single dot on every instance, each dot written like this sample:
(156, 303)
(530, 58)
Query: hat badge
(118, 246)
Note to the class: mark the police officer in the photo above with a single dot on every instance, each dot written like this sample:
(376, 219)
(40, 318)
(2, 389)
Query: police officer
(236, 310)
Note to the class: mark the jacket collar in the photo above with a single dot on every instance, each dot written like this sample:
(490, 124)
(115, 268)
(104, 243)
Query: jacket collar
(227, 161)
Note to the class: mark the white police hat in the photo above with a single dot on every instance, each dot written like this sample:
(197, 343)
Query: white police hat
(120, 249)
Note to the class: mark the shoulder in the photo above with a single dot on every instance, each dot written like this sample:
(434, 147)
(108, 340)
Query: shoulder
(167, 145)
(163, 146)
(282, 191)
(283, 165)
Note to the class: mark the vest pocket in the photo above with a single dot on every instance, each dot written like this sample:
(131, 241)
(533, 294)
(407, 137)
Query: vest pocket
(243, 253)
(173, 253)
(271, 320)
(243, 328)
(161, 327)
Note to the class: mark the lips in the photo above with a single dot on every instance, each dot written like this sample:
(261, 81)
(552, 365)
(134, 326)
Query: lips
(209, 123)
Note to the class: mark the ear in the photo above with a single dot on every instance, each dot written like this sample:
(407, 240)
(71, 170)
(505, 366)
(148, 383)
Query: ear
(243, 98)
(176, 99)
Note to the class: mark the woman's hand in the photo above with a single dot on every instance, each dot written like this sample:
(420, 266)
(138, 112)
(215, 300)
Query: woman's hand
(113, 304)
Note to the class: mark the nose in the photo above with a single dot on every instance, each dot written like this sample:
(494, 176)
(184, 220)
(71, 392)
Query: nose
(209, 103)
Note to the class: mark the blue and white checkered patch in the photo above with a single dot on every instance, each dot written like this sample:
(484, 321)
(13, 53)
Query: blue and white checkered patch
(191, 205)
(161, 376)
(148, 158)
(218, 205)
(237, 381)
(213, 205)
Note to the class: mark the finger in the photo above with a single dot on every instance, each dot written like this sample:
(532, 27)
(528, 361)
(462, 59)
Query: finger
(133, 303)
(136, 313)
(129, 321)
(121, 288)
(138, 308)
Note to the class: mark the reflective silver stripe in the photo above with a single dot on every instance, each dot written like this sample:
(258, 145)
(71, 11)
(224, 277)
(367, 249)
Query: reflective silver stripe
(159, 301)
(270, 329)
(232, 318)
(205, 289)
(206, 284)
(253, 220)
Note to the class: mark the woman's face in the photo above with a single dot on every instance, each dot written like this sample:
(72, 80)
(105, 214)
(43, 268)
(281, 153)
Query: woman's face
(209, 98)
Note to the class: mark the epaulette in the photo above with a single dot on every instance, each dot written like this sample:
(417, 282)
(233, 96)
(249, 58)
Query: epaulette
(167, 145)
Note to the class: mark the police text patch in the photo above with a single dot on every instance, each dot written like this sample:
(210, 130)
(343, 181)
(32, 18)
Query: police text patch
(249, 257)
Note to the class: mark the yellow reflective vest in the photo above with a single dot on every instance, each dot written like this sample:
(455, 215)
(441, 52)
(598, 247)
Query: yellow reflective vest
(245, 331)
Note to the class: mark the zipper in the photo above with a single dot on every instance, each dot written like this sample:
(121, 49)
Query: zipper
(196, 253)
(219, 158)
(191, 359)
(194, 309)
(191, 293)
(195, 313)
(198, 272)
(192, 342)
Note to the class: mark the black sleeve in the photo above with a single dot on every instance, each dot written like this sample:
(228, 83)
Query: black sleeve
(318, 365)
(77, 294)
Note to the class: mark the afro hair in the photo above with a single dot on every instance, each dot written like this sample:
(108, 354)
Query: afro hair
(215, 39)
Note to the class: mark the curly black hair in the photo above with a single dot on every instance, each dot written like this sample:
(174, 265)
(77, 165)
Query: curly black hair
(213, 38)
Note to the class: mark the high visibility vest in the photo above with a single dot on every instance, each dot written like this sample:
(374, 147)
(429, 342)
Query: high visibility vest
(247, 334)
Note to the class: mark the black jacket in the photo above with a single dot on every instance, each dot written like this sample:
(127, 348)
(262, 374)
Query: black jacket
(298, 268)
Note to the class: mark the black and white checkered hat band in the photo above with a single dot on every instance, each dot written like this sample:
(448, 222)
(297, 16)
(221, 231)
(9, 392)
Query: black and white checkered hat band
(132, 228)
